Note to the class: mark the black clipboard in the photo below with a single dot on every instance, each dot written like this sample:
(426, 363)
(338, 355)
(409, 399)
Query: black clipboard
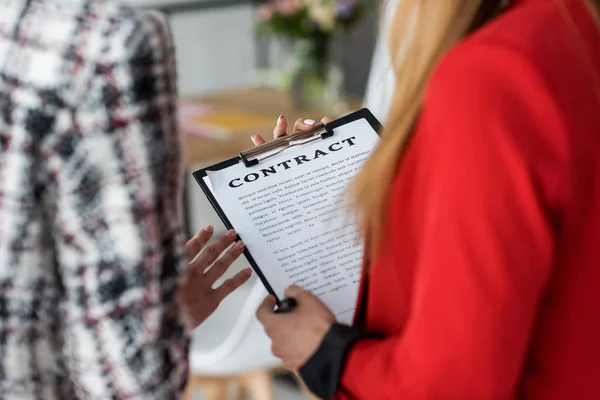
(251, 157)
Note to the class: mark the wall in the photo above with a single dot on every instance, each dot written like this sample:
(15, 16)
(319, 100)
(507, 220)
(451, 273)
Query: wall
(215, 49)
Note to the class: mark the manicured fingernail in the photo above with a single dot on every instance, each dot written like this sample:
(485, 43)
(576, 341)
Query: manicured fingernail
(310, 121)
(279, 119)
(208, 228)
(239, 245)
(231, 233)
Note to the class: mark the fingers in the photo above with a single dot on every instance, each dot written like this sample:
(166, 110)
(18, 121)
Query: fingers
(195, 244)
(210, 254)
(231, 284)
(221, 266)
(257, 140)
(266, 308)
(280, 127)
(279, 131)
(306, 124)
(303, 124)
(294, 291)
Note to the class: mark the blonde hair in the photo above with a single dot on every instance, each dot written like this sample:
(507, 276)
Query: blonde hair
(436, 27)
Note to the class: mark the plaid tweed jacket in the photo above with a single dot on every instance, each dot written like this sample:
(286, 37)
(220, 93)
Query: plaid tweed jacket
(91, 238)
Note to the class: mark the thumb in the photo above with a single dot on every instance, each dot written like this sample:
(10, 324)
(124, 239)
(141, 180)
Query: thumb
(294, 291)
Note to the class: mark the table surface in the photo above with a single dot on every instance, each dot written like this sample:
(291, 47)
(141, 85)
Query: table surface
(264, 102)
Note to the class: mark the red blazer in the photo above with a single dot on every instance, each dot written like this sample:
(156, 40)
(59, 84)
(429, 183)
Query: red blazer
(488, 283)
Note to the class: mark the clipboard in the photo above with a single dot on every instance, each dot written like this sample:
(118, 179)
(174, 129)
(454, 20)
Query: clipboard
(258, 154)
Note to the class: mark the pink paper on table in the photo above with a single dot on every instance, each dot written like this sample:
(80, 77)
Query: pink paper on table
(189, 115)
(187, 109)
(204, 121)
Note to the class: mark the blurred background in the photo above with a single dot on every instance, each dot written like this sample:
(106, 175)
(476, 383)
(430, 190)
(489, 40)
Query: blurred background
(241, 64)
(219, 46)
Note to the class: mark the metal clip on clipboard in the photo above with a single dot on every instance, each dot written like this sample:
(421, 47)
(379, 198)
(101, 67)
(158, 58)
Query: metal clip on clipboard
(277, 146)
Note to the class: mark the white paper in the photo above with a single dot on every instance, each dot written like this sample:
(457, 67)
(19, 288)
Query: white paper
(289, 211)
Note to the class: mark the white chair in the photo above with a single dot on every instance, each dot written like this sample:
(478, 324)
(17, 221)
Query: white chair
(231, 347)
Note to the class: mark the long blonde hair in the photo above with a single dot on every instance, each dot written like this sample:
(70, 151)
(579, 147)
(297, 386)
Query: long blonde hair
(417, 42)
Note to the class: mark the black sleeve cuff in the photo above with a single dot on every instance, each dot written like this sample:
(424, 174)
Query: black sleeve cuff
(323, 371)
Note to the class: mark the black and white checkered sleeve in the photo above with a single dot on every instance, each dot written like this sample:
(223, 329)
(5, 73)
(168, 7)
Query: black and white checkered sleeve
(115, 168)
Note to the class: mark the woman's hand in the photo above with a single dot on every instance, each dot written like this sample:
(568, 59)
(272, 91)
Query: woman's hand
(196, 297)
(296, 334)
(282, 125)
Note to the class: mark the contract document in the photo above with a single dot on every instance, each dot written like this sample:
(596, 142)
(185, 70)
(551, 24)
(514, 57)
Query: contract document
(288, 206)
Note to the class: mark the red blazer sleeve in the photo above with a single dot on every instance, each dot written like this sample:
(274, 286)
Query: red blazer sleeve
(486, 240)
